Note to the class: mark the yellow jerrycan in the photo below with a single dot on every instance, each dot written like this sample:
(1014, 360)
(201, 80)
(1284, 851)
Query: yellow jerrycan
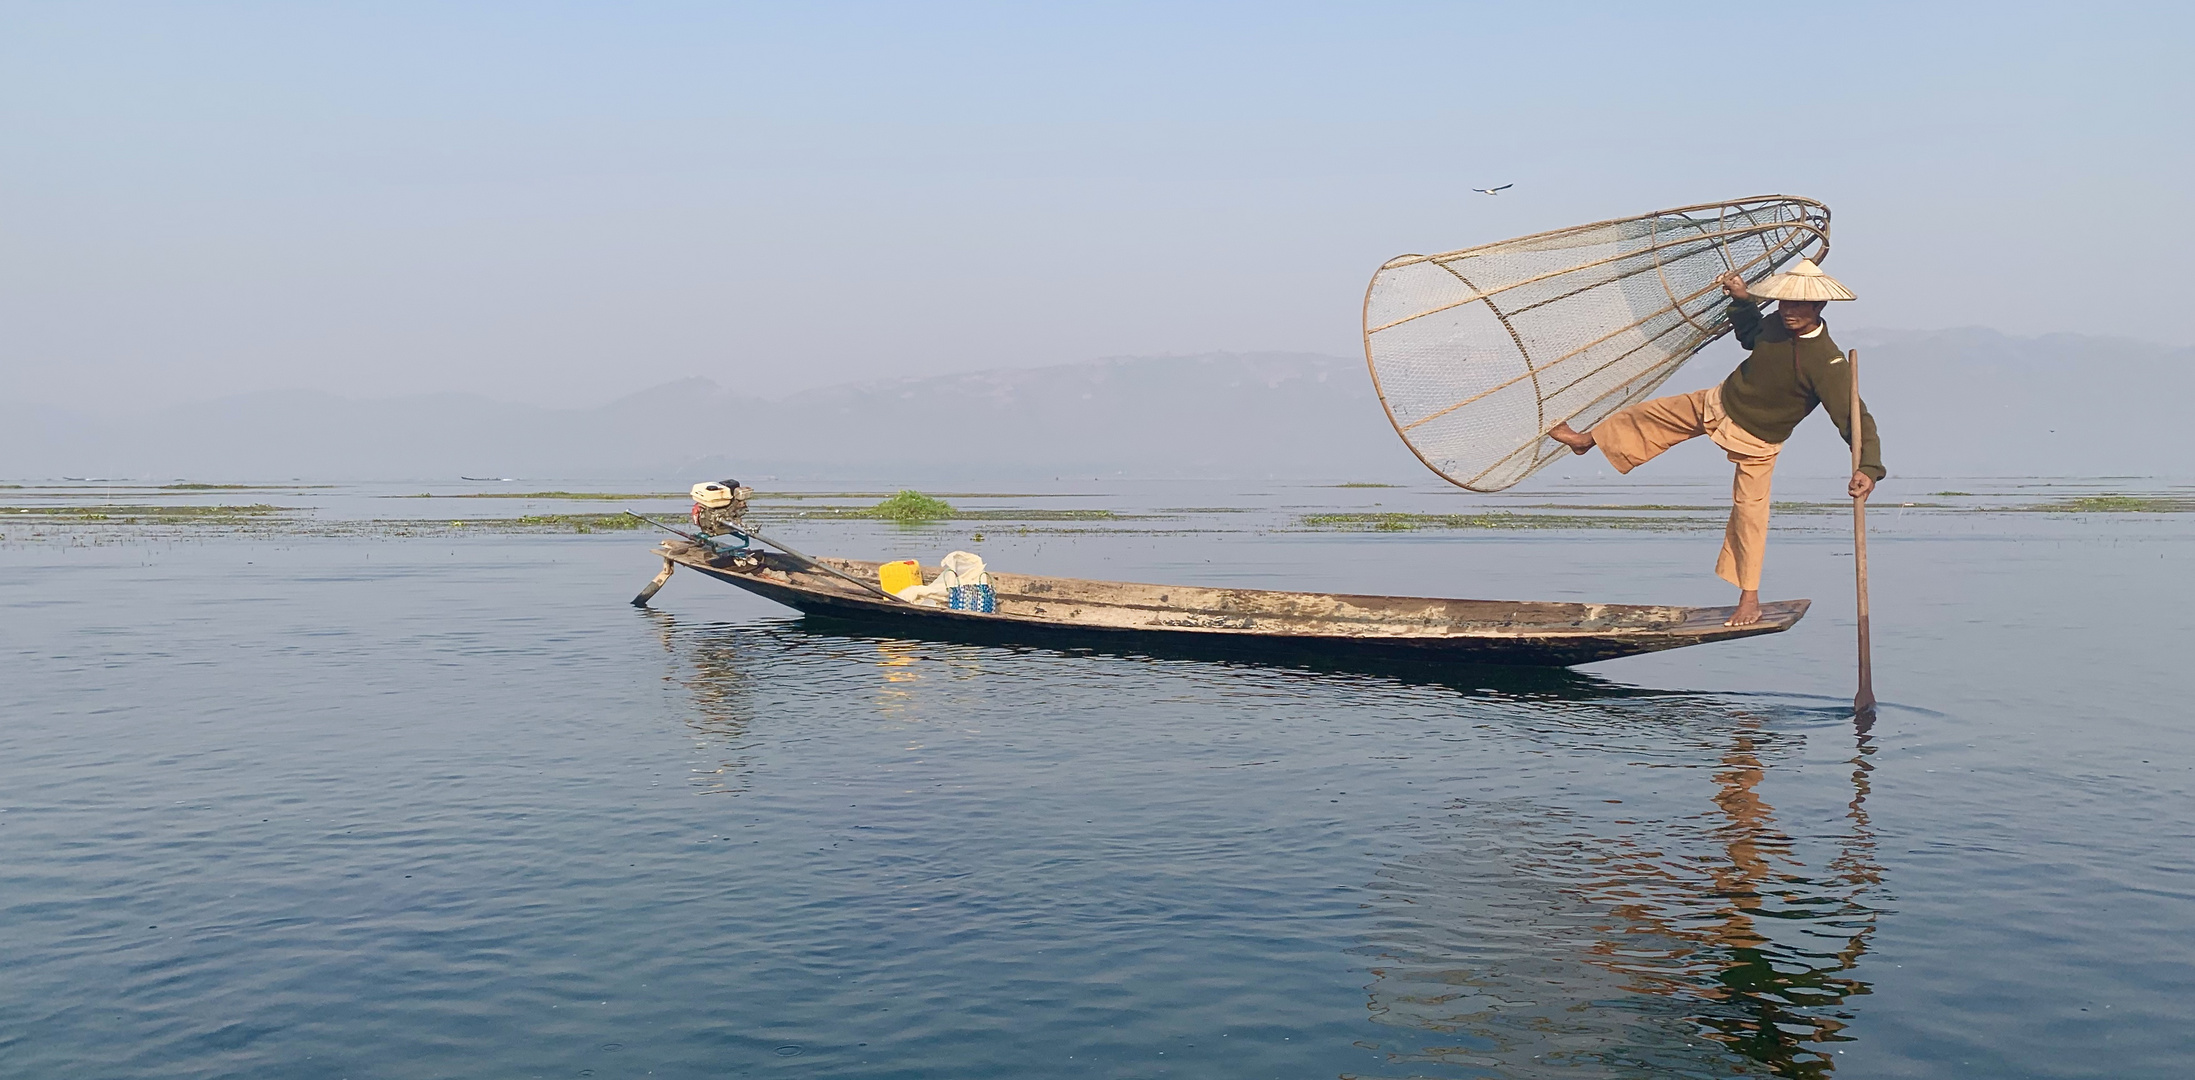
(894, 576)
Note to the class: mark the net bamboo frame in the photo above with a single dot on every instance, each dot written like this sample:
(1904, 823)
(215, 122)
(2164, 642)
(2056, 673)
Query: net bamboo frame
(1477, 354)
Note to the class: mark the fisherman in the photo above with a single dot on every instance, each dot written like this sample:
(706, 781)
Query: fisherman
(1793, 367)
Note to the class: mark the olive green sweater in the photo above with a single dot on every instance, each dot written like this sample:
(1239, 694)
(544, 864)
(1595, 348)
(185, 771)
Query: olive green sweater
(1785, 377)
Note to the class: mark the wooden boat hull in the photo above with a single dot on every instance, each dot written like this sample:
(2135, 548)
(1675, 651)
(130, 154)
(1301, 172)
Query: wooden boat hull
(1250, 623)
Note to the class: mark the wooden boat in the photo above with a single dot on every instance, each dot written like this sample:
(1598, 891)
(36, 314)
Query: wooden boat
(1244, 623)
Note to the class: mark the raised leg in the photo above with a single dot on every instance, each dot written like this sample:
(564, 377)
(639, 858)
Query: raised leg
(1637, 435)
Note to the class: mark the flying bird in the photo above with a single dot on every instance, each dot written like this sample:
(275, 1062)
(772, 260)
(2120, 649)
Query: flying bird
(1493, 190)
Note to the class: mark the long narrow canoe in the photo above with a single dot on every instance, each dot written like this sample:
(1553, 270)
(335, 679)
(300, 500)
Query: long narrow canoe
(1249, 623)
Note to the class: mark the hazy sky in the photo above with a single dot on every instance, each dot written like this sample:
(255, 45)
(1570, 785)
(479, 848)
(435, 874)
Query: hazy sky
(560, 204)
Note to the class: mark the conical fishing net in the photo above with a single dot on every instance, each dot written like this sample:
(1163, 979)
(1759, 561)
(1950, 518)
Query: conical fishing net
(1479, 353)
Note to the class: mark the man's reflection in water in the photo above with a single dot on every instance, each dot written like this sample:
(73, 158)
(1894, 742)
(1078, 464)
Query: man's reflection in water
(1546, 945)
(706, 663)
(1783, 999)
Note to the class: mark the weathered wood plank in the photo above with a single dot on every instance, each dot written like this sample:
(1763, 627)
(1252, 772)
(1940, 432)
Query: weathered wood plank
(1036, 609)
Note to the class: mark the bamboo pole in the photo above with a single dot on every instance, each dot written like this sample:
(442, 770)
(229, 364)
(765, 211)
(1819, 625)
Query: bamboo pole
(1863, 703)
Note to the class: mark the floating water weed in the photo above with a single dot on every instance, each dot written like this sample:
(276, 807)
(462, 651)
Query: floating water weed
(2120, 504)
(912, 507)
(1400, 522)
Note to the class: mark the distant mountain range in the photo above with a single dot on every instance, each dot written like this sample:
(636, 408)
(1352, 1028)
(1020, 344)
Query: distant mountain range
(1951, 403)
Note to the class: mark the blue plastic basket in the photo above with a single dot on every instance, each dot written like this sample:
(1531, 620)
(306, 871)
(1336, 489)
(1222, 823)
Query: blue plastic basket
(976, 598)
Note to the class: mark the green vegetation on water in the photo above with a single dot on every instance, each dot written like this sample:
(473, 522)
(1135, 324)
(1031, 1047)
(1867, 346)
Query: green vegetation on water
(583, 523)
(80, 516)
(1636, 507)
(873, 513)
(1037, 515)
(759, 496)
(187, 485)
(600, 495)
(133, 514)
(911, 507)
(1363, 484)
(2119, 504)
(774, 495)
(1397, 522)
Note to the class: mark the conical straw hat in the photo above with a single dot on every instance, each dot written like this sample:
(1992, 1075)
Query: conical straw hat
(1804, 281)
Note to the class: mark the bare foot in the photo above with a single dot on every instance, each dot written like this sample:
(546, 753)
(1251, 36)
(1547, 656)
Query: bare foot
(1749, 609)
(1578, 441)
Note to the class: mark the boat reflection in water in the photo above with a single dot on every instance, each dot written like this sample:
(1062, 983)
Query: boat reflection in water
(1690, 930)
(715, 666)
(710, 664)
(1547, 941)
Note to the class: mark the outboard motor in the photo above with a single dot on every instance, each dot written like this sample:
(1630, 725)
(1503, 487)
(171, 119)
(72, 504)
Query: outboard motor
(720, 511)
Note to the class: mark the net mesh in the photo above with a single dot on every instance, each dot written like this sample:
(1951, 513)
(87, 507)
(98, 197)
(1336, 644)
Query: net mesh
(1477, 354)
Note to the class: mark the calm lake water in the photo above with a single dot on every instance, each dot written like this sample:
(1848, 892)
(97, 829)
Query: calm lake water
(367, 805)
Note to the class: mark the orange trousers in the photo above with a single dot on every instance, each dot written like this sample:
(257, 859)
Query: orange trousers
(1637, 435)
